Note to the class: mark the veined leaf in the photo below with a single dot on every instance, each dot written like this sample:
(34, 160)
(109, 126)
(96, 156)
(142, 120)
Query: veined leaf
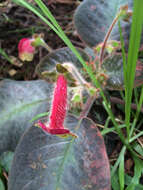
(20, 102)
(46, 162)
(94, 17)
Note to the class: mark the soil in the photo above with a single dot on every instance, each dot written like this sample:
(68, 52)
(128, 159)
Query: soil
(17, 22)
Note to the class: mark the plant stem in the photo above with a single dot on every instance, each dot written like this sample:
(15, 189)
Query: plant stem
(48, 48)
(106, 38)
(116, 100)
(73, 70)
(134, 44)
(87, 106)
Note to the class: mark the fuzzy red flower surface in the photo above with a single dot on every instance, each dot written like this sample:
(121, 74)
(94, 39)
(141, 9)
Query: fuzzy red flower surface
(58, 110)
(25, 49)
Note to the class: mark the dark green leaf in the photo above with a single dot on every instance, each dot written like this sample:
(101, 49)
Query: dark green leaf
(6, 160)
(94, 17)
(1, 185)
(19, 103)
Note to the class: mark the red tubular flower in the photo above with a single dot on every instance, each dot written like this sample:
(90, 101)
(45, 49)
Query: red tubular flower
(59, 105)
(25, 49)
(58, 109)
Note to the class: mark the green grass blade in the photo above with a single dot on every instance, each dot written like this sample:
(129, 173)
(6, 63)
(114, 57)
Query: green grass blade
(2, 187)
(138, 148)
(112, 129)
(36, 12)
(140, 103)
(121, 172)
(115, 182)
(134, 44)
(137, 174)
(128, 180)
(107, 122)
(114, 168)
(48, 14)
(4, 54)
(136, 136)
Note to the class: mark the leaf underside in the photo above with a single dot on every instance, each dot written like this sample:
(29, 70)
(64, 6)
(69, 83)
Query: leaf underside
(62, 55)
(48, 162)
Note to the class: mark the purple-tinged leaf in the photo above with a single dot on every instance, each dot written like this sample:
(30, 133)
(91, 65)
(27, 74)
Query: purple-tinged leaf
(93, 18)
(47, 162)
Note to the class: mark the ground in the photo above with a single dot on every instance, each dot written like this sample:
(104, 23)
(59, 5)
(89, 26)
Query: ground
(16, 22)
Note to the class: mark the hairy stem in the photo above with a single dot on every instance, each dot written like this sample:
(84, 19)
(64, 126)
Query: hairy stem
(47, 47)
(106, 39)
(87, 106)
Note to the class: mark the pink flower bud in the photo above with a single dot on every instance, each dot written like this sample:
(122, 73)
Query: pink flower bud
(25, 49)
